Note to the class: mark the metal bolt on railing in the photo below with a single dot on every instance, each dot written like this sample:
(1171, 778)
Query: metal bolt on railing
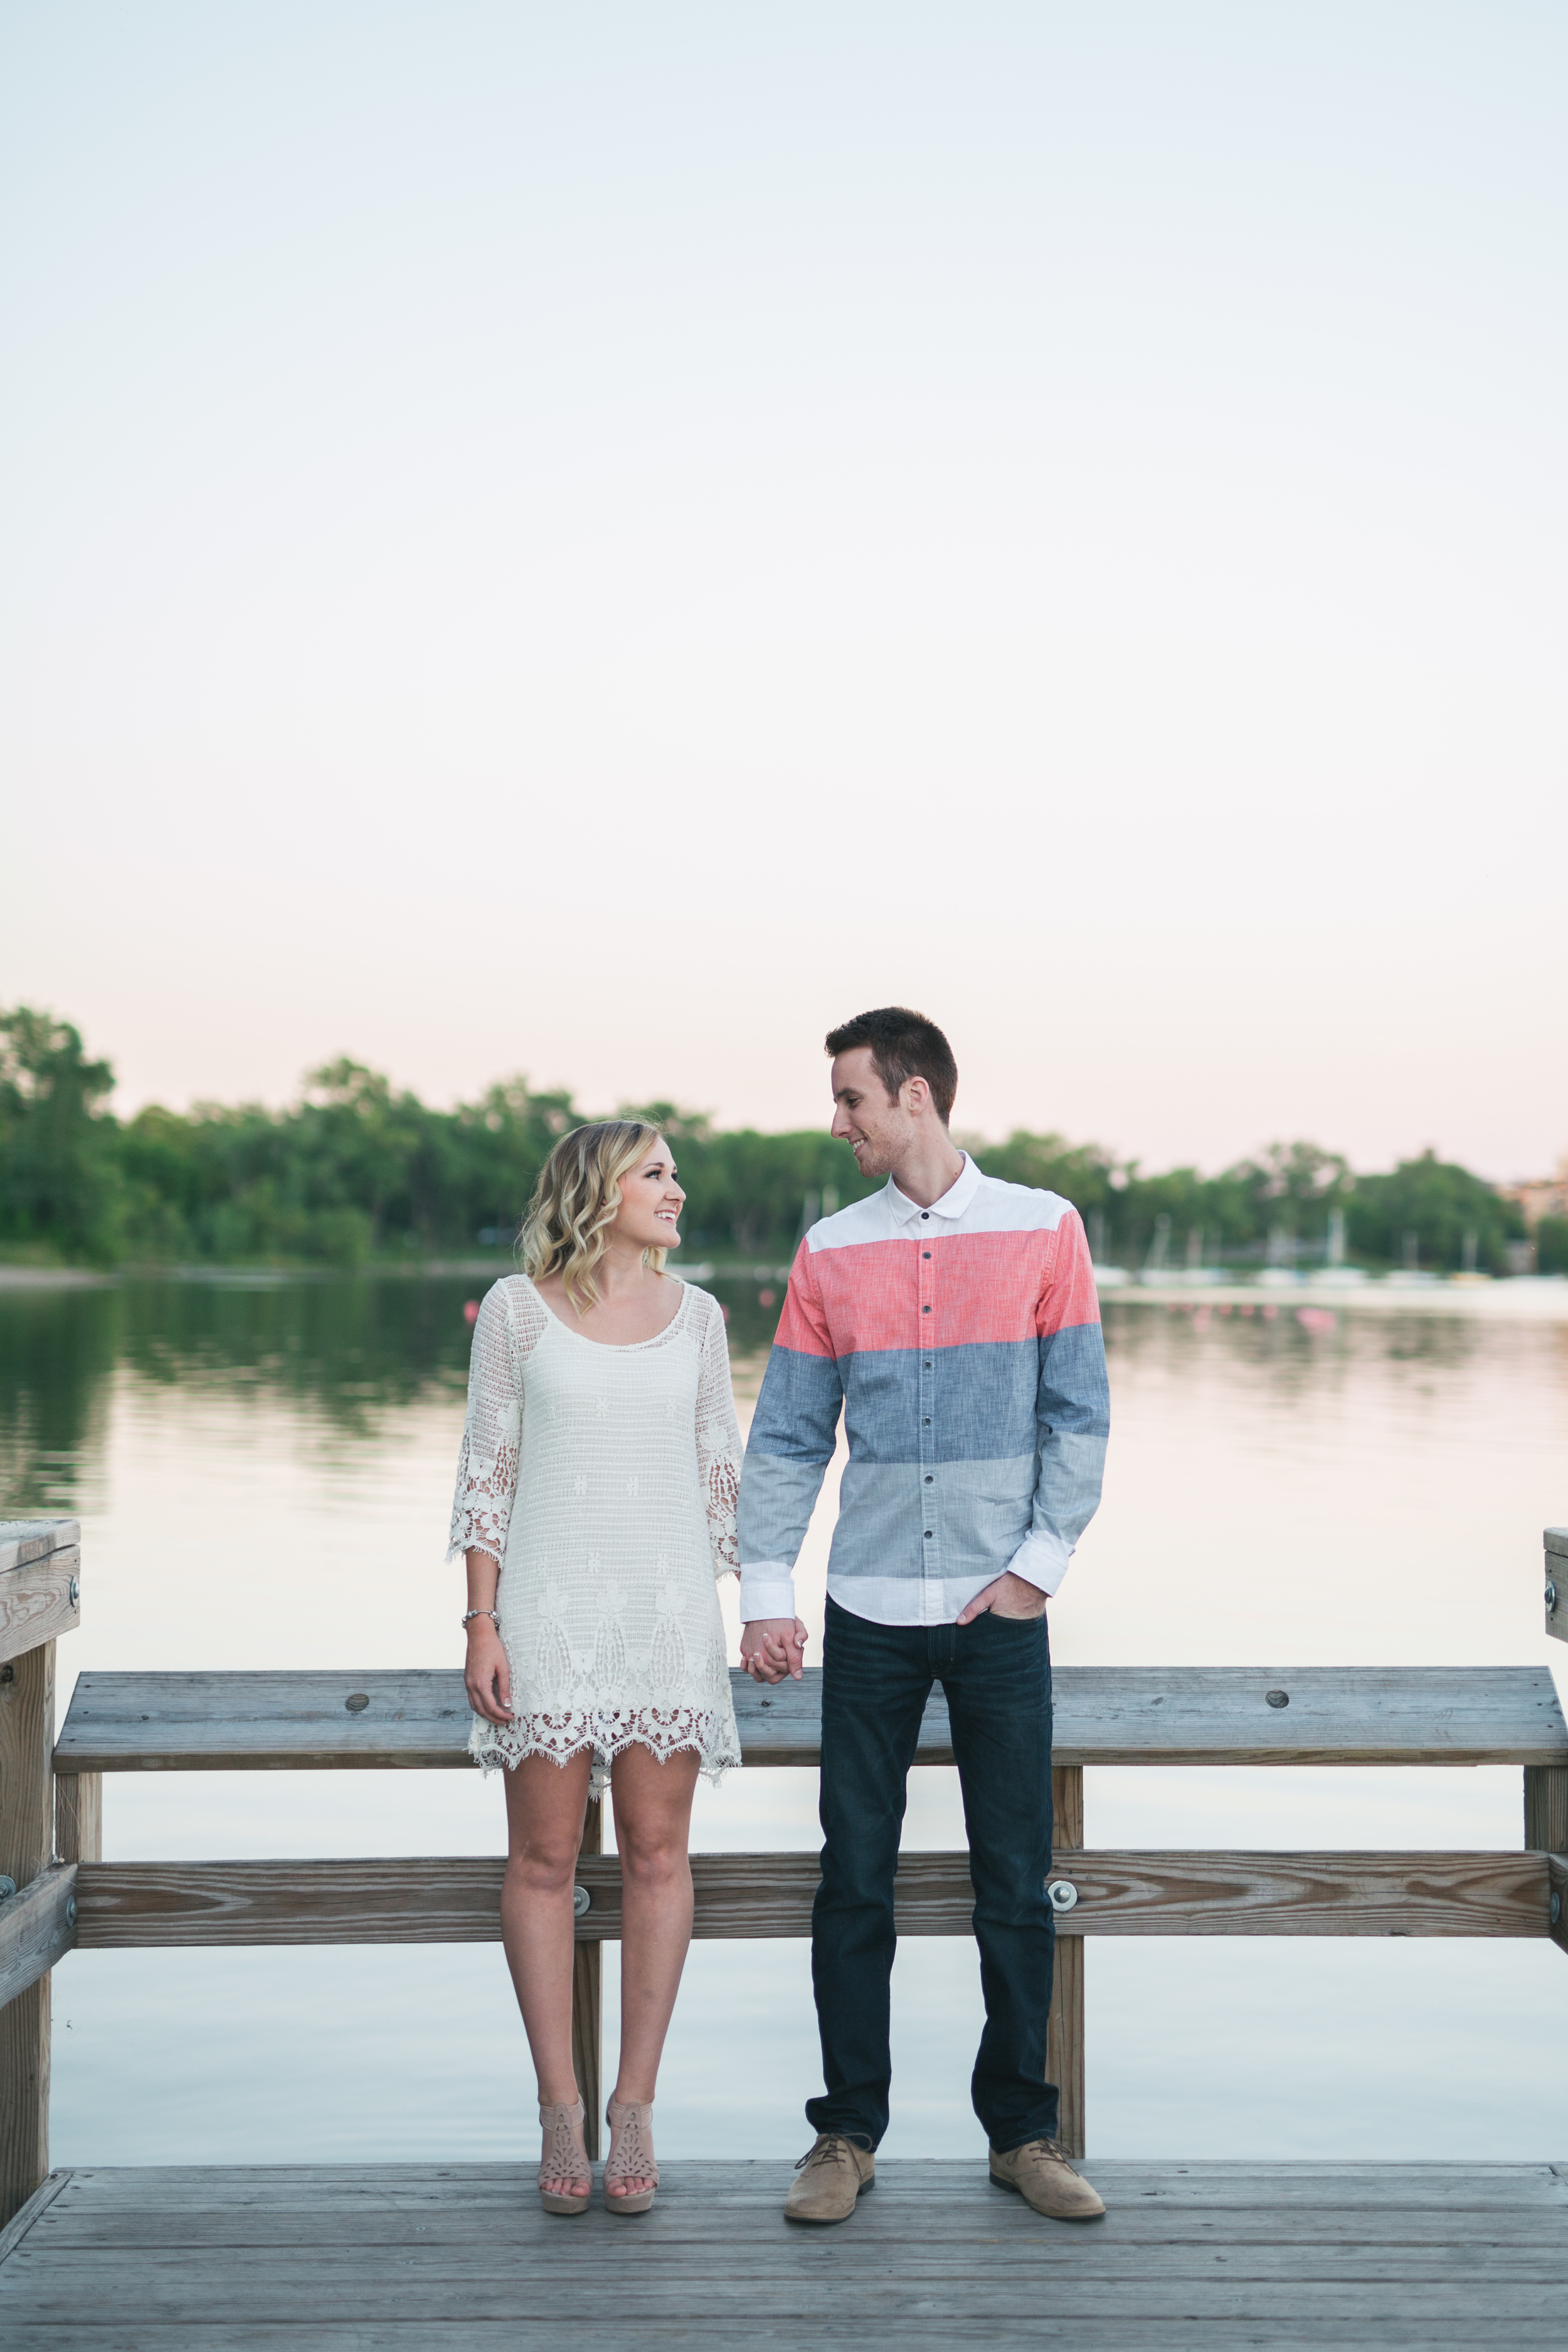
(1552, 1600)
(580, 1900)
(7, 1886)
(72, 1910)
(1557, 1910)
(1063, 1895)
(75, 1591)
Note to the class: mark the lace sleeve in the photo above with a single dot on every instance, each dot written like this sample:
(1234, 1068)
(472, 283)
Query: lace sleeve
(492, 1435)
(718, 1445)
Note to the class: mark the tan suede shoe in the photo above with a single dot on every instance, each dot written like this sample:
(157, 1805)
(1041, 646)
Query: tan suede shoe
(828, 2179)
(1040, 2173)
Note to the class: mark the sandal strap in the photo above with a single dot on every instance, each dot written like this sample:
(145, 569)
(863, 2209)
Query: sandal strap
(631, 2156)
(564, 2158)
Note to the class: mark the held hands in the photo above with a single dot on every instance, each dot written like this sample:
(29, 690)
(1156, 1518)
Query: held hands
(487, 1677)
(1010, 1596)
(772, 1647)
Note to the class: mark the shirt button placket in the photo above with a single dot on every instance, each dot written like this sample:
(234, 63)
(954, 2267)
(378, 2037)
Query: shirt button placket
(931, 1566)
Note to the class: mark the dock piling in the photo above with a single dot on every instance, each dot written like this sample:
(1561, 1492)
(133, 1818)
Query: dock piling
(1064, 2028)
(39, 1597)
(587, 2004)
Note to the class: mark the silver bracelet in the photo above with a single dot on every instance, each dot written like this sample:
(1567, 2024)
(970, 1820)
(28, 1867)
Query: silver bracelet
(472, 1613)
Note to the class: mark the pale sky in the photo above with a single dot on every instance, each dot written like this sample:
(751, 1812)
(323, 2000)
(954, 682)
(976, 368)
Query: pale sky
(598, 540)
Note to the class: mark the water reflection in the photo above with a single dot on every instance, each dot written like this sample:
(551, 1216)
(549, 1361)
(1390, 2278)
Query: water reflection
(350, 1350)
(58, 1349)
(264, 1470)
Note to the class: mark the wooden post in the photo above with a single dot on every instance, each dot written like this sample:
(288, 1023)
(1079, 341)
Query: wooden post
(1546, 1808)
(79, 1816)
(26, 1841)
(1556, 1541)
(587, 2004)
(1064, 2031)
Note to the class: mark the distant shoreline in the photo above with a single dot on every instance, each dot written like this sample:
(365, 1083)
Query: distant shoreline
(1532, 1298)
(1523, 1298)
(53, 1277)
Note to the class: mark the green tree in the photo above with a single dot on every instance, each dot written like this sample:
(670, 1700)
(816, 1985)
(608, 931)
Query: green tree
(59, 1174)
(1081, 1172)
(357, 1167)
(1423, 1212)
(360, 1163)
(492, 1152)
(1551, 1246)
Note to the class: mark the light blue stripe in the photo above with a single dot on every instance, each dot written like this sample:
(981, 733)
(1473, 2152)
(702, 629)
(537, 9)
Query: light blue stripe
(777, 1497)
(978, 1513)
(1071, 1469)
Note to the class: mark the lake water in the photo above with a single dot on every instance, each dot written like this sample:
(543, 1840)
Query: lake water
(263, 1471)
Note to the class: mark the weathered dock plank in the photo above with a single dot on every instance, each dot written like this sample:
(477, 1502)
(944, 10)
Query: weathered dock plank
(417, 1718)
(317, 2285)
(37, 1928)
(1194, 2255)
(22, 1541)
(463, 2224)
(1228, 2183)
(142, 1905)
(26, 1841)
(39, 1599)
(782, 2332)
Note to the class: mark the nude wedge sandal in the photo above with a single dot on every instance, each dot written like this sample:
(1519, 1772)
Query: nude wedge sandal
(631, 2154)
(563, 2156)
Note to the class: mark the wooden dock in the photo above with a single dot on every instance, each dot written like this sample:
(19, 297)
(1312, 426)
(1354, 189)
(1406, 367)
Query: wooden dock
(1191, 2258)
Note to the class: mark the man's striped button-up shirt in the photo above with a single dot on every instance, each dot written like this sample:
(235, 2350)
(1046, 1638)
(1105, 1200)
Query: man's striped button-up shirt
(962, 1342)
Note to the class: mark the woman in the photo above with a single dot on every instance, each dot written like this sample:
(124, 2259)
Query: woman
(596, 1507)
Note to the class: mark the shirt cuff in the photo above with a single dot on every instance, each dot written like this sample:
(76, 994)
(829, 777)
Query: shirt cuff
(767, 1590)
(1041, 1559)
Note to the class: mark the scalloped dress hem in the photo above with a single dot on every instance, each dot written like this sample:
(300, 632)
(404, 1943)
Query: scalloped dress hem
(495, 1750)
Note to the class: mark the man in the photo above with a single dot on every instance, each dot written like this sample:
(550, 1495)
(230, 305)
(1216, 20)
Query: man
(955, 1320)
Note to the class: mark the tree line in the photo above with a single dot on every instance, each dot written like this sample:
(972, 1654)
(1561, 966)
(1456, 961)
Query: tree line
(357, 1172)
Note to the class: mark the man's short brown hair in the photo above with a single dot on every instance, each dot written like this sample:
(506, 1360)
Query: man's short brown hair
(904, 1044)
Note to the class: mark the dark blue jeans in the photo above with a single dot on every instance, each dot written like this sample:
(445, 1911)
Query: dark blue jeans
(876, 1679)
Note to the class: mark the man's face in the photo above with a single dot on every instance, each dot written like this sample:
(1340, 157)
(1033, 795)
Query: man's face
(877, 1128)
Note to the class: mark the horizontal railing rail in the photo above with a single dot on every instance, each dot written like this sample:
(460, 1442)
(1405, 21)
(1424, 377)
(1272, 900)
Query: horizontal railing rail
(1132, 1892)
(417, 1718)
(443, 1899)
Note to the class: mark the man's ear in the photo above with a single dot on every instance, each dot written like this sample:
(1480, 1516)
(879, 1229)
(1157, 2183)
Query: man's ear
(916, 1093)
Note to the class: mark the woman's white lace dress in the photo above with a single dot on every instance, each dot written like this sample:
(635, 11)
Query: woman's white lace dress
(603, 1480)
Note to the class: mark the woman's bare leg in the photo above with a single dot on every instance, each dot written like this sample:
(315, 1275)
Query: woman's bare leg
(653, 1820)
(545, 1803)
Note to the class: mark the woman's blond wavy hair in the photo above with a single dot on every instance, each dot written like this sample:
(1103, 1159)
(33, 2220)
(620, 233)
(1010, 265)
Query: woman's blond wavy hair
(575, 1202)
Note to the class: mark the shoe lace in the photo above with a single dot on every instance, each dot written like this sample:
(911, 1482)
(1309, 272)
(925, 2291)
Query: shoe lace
(833, 2148)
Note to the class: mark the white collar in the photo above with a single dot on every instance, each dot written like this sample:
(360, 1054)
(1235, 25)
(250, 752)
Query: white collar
(952, 1203)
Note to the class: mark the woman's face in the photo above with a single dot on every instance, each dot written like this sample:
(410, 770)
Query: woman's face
(651, 1201)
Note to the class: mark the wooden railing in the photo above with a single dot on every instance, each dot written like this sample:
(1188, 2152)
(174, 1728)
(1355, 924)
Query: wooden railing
(418, 1718)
